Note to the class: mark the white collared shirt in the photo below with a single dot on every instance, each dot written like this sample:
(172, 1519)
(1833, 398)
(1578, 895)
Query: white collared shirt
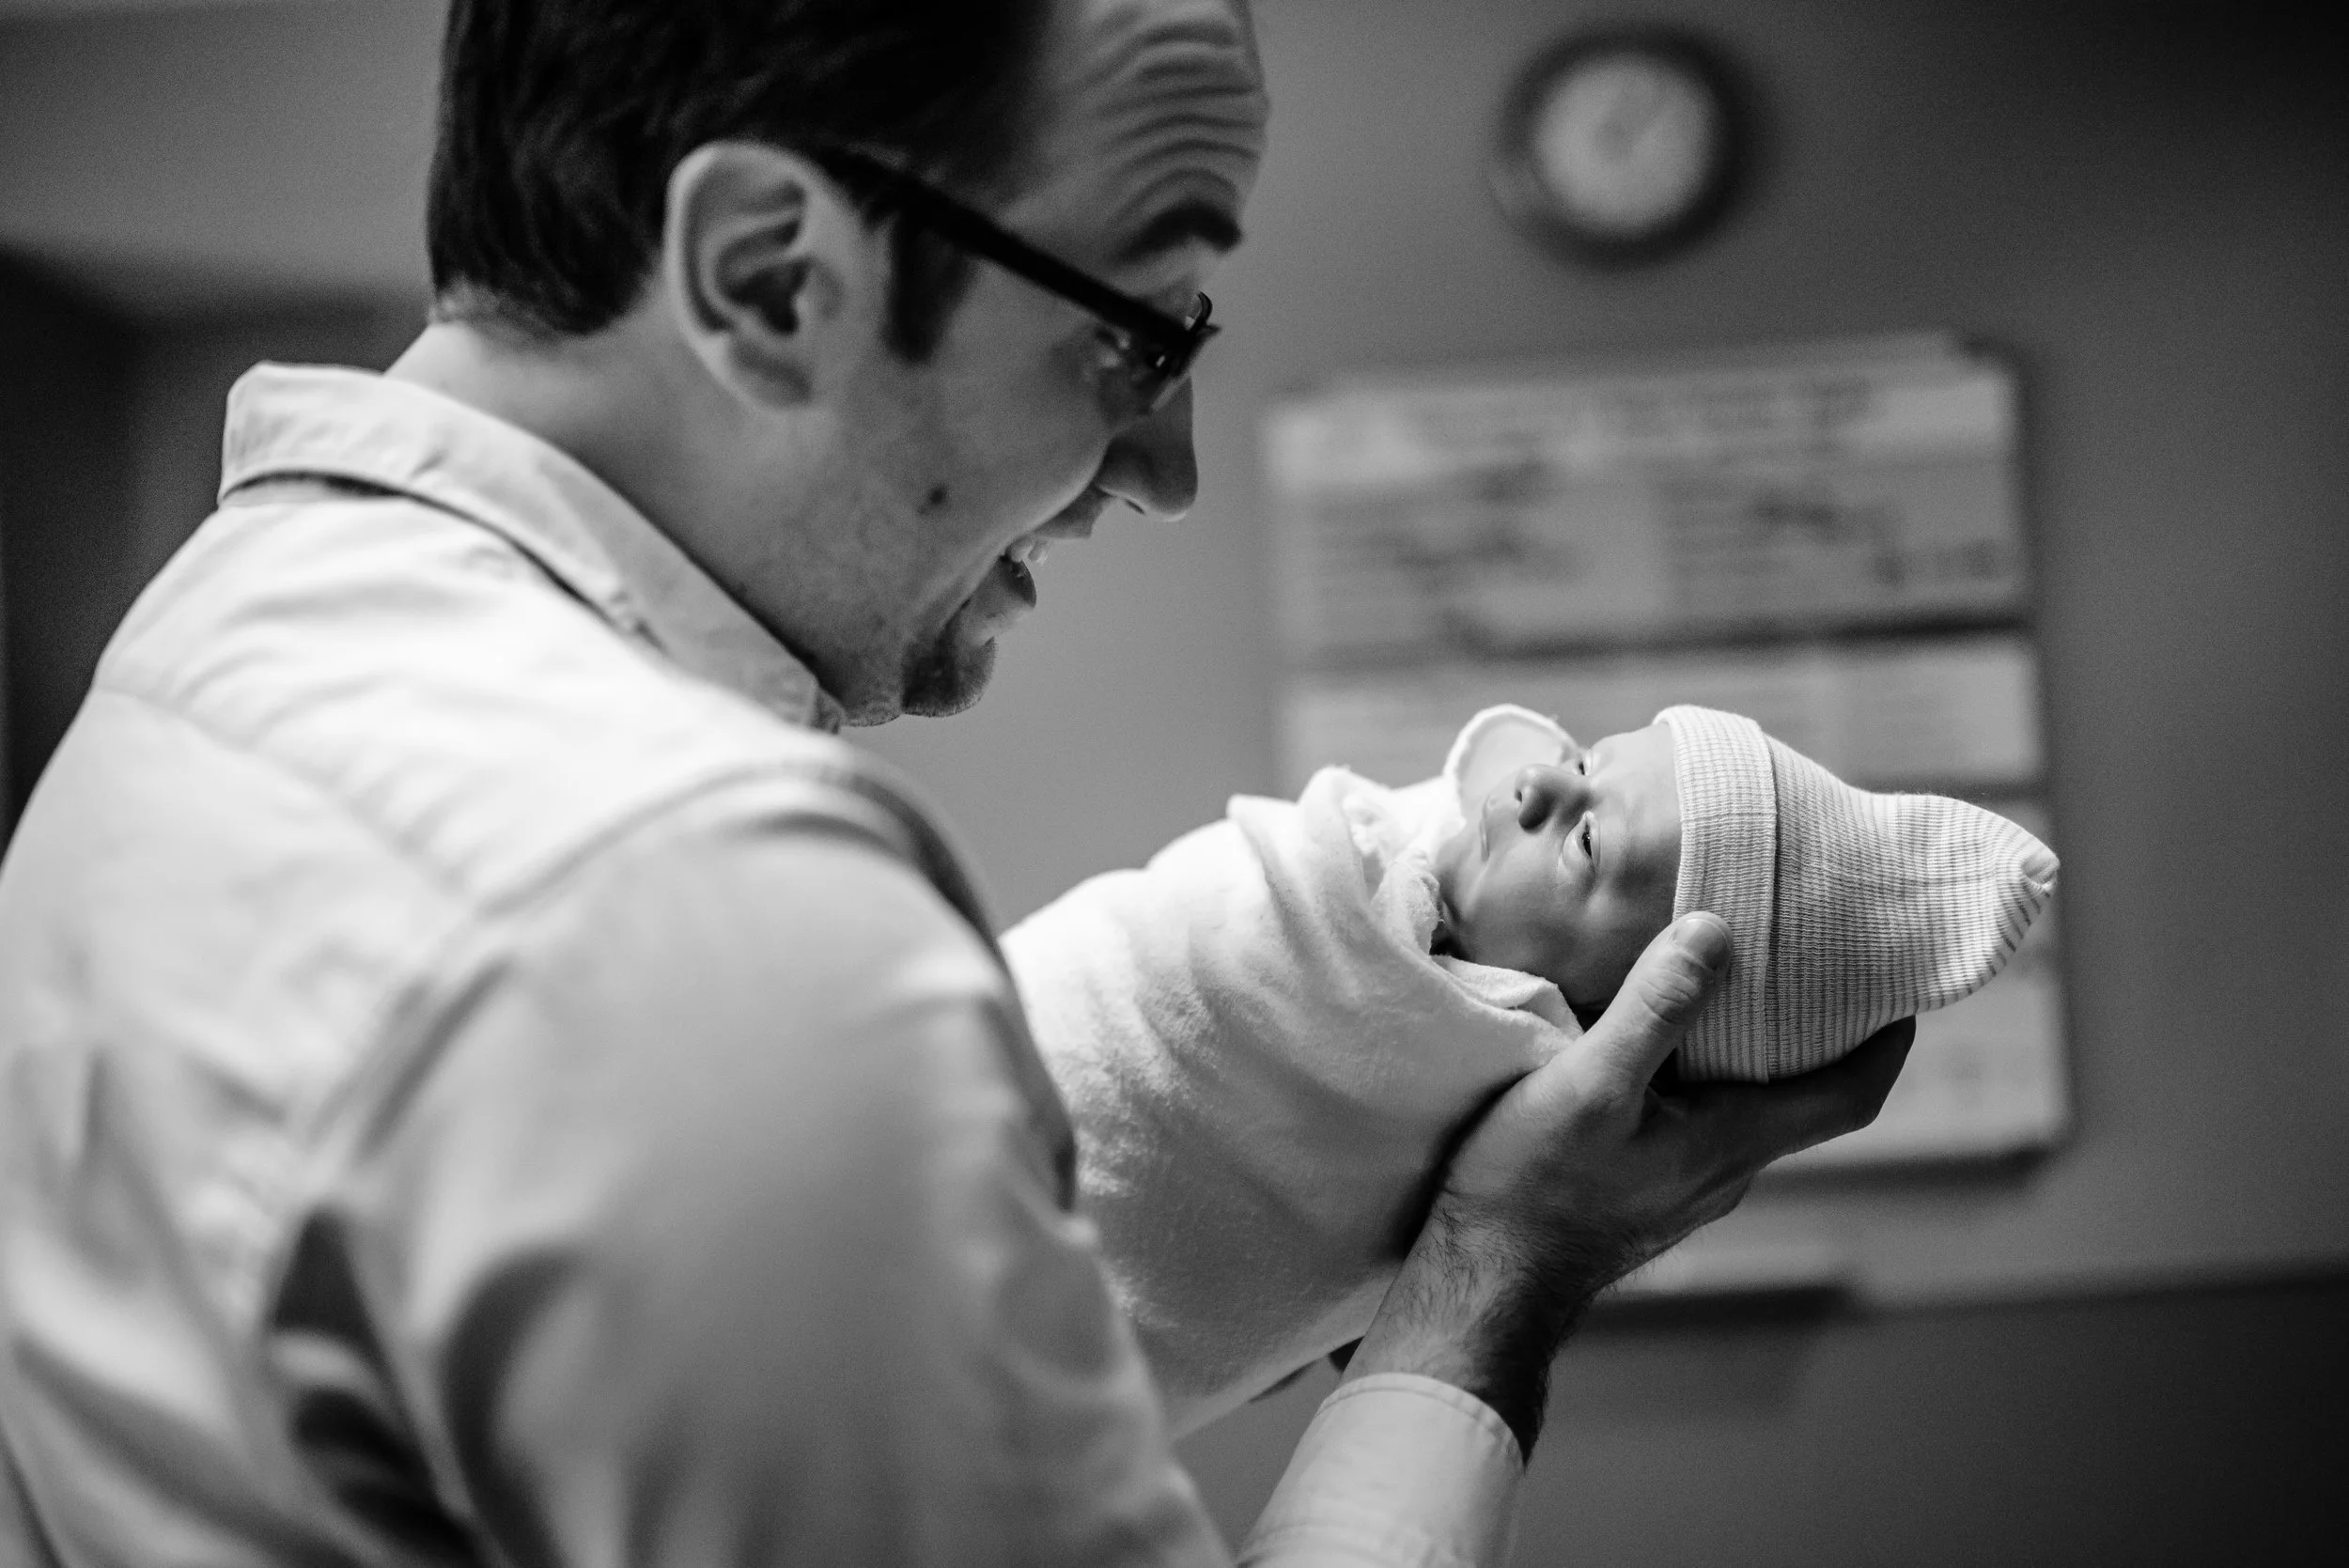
(448, 1115)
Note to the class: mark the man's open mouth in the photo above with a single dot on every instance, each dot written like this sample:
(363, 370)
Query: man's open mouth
(1016, 565)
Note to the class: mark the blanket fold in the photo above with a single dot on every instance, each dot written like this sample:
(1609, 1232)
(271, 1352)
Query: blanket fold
(1265, 1067)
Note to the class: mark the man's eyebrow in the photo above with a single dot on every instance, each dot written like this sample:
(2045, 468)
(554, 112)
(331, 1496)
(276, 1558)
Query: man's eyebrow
(1178, 225)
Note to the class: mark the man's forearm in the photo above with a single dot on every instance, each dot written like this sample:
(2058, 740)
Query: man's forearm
(1472, 1308)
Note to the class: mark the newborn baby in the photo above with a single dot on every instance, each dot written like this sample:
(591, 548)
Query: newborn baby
(1848, 908)
(1275, 1028)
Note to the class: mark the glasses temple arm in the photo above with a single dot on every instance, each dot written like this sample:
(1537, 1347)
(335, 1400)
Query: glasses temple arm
(950, 220)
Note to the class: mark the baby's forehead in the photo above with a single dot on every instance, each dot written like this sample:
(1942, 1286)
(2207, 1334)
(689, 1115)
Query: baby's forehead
(1649, 743)
(1639, 764)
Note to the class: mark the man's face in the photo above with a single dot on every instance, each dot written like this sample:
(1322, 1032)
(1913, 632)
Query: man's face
(1569, 868)
(1023, 425)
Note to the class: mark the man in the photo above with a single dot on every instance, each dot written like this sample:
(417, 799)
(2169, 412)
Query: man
(486, 1083)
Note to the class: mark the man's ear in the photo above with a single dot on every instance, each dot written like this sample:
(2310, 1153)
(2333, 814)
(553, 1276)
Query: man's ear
(769, 274)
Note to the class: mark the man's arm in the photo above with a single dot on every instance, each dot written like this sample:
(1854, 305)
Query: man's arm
(1575, 1175)
(1581, 1171)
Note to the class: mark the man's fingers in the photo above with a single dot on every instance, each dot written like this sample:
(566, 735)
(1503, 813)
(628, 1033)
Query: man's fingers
(1770, 1121)
(1643, 1024)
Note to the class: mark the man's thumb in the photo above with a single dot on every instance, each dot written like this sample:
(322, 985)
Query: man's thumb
(1659, 998)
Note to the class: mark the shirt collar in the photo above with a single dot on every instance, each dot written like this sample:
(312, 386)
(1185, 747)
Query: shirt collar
(302, 420)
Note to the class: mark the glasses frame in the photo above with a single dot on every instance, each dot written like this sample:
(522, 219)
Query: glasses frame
(1159, 348)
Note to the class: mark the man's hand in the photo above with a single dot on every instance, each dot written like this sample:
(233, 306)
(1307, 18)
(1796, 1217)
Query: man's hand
(1582, 1170)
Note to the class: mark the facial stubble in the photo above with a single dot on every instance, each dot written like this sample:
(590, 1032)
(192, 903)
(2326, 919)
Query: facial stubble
(946, 676)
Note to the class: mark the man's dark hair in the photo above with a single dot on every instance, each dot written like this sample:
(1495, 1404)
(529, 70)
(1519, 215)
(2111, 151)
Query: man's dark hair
(561, 121)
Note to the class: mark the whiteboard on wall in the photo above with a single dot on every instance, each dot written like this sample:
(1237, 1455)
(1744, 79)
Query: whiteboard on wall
(1829, 490)
(1828, 540)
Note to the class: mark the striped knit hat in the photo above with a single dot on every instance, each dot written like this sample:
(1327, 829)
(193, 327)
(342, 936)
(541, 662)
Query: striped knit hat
(1849, 910)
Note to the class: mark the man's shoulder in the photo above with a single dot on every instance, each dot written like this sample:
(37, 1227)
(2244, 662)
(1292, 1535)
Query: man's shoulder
(419, 673)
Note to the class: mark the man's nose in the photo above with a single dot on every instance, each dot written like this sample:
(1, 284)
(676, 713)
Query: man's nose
(1150, 462)
(1546, 790)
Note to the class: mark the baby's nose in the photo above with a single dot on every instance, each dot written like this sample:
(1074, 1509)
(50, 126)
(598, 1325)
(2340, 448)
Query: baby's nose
(1545, 790)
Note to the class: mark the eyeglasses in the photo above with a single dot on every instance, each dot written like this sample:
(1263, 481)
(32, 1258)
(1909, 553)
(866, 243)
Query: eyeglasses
(1156, 350)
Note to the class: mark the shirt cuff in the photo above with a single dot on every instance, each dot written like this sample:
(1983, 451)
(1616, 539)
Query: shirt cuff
(1396, 1470)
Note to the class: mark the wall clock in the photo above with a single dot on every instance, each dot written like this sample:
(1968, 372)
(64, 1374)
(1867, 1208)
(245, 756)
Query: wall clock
(1620, 147)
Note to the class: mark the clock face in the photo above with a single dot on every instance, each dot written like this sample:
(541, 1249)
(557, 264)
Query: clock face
(1626, 141)
(1621, 148)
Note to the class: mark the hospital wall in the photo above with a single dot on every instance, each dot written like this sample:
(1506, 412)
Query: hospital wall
(2141, 204)
(65, 382)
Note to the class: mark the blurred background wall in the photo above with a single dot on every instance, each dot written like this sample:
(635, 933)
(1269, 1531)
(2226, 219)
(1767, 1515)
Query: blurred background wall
(2134, 1350)
(185, 189)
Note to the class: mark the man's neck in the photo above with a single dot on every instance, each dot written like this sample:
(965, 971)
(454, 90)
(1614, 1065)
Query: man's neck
(628, 405)
(611, 400)
(563, 390)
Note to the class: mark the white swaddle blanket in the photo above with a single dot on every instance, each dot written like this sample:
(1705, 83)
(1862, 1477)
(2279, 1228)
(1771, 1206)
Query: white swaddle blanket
(1265, 1064)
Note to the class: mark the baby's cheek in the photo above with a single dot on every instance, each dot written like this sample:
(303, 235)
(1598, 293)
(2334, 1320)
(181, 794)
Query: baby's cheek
(1604, 960)
(1571, 956)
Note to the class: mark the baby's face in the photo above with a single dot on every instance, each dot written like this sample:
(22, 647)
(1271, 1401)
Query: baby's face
(1568, 868)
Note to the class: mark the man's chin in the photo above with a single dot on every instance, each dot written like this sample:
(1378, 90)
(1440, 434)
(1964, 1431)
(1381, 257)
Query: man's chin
(947, 677)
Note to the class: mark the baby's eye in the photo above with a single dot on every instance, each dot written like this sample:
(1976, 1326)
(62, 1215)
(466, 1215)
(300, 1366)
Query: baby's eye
(1584, 832)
